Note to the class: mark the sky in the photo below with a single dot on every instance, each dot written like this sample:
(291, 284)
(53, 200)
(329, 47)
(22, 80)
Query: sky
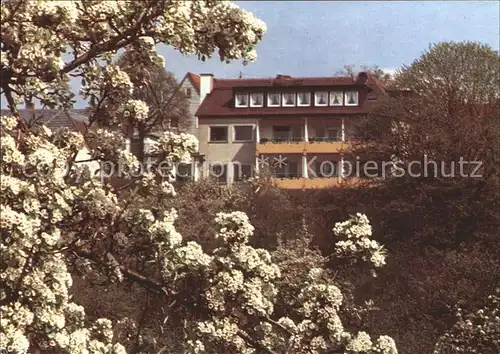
(318, 38)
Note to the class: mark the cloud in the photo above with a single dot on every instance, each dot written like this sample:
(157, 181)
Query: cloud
(391, 71)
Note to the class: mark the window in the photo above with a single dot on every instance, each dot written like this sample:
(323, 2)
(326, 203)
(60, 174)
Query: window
(188, 93)
(332, 133)
(241, 100)
(288, 99)
(273, 99)
(243, 133)
(327, 169)
(282, 133)
(351, 98)
(288, 170)
(218, 134)
(218, 172)
(256, 99)
(242, 172)
(336, 98)
(174, 122)
(321, 99)
(135, 146)
(106, 169)
(183, 172)
(304, 98)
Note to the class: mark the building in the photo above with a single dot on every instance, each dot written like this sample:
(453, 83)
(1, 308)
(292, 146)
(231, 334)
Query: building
(296, 129)
(75, 120)
(190, 86)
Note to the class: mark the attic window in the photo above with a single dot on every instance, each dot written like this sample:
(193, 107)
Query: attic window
(351, 98)
(336, 98)
(321, 98)
(288, 99)
(256, 99)
(273, 99)
(188, 93)
(241, 100)
(304, 98)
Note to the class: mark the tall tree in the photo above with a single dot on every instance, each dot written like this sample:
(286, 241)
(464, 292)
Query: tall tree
(159, 89)
(350, 70)
(454, 72)
(439, 201)
(445, 112)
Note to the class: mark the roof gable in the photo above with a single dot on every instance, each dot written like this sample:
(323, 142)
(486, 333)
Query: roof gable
(194, 79)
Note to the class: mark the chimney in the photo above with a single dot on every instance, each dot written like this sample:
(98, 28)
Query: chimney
(279, 76)
(362, 78)
(206, 85)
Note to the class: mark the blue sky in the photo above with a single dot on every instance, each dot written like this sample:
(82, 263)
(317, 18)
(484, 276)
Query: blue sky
(317, 38)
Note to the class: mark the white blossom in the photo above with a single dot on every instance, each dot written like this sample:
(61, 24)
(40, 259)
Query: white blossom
(360, 343)
(356, 241)
(135, 110)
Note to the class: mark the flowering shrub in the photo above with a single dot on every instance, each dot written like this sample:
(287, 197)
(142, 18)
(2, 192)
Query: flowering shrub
(355, 234)
(477, 332)
(35, 282)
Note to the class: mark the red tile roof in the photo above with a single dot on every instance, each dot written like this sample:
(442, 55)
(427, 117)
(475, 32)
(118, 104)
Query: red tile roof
(195, 80)
(220, 102)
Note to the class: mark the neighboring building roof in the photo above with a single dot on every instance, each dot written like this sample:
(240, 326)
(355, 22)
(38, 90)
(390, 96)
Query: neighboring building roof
(195, 81)
(75, 119)
(220, 102)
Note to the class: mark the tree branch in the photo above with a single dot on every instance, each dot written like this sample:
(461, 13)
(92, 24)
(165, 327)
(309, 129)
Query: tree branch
(149, 283)
(253, 343)
(126, 38)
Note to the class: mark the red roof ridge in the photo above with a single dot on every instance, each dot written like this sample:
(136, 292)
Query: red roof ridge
(195, 80)
(288, 81)
(286, 78)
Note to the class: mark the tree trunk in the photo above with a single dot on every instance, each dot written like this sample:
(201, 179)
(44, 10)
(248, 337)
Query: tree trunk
(142, 137)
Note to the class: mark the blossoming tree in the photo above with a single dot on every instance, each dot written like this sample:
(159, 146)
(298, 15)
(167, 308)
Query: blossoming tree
(57, 219)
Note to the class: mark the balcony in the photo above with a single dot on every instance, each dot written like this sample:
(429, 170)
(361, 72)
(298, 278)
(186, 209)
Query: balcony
(313, 183)
(315, 145)
(280, 146)
(324, 145)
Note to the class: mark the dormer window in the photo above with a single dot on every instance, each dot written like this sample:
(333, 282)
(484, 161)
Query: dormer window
(288, 99)
(304, 99)
(241, 100)
(321, 98)
(336, 98)
(273, 99)
(256, 99)
(351, 98)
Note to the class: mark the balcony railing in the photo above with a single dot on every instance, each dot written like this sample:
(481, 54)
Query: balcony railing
(281, 140)
(319, 145)
(319, 139)
(313, 183)
(315, 139)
